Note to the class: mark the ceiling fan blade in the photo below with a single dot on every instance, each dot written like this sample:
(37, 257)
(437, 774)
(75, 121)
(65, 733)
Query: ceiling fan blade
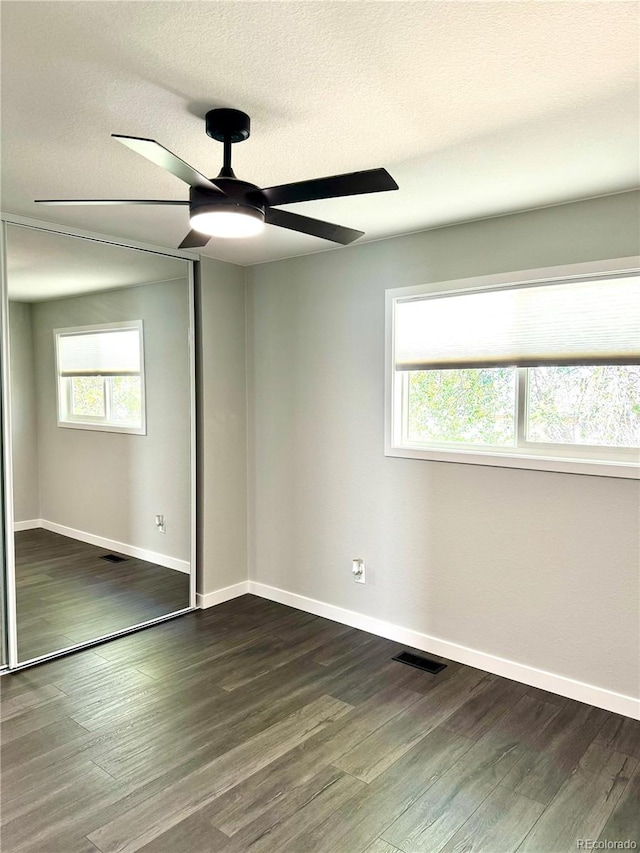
(106, 201)
(194, 240)
(354, 183)
(164, 158)
(315, 227)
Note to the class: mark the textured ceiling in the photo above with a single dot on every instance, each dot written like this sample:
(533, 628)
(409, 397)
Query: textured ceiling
(475, 108)
(42, 265)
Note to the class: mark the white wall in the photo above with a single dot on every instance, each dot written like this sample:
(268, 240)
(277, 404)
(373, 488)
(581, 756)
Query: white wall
(539, 568)
(26, 497)
(222, 426)
(112, 484)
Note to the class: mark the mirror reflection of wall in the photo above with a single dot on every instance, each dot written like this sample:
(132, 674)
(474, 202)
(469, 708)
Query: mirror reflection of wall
(101, 431)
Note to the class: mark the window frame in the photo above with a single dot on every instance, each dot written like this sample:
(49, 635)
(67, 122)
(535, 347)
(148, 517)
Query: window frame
(64, 392)
(571, 459)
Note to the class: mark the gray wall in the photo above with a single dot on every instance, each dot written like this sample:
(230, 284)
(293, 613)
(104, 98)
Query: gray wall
(536, 567)
(26, 498)
(222, 422)
(112, 484)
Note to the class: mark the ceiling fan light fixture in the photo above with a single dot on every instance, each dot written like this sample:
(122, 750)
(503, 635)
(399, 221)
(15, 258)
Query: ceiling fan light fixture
(228, 222)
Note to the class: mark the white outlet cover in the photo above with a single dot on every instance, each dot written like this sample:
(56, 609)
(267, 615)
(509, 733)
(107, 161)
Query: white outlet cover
(358, 571)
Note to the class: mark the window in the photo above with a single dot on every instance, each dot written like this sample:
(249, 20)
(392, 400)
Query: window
(531, 373)
(100, 371)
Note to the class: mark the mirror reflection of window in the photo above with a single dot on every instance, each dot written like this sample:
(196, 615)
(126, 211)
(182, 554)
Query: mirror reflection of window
(101, 377)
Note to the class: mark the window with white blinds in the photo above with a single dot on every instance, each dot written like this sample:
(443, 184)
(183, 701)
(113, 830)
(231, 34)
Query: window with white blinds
(100, 375)
(108, 352)
(537, 372)
(573, 323)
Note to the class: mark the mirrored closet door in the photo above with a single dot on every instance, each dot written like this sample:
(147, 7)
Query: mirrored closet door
(102, 426)
(3, 593)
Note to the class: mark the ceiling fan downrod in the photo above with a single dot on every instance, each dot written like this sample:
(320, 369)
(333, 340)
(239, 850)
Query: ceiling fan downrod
(227, 126)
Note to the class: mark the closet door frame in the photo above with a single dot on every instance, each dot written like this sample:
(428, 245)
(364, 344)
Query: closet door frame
(12, 663)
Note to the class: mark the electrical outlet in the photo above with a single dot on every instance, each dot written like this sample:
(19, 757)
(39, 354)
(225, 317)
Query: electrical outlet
(160, 524)
(357, 569)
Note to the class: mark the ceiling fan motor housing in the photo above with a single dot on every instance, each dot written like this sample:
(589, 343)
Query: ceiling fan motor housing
(240, 196)
(232, 125)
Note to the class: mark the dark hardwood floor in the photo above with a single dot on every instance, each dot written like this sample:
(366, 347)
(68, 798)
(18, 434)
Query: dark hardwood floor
(253, 727)
(66, 594)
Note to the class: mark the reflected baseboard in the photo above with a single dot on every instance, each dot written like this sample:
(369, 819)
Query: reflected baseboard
(109, 544)
(30, 524)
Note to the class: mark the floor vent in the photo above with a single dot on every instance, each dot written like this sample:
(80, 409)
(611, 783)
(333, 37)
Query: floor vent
(427, 664)
(114, 558)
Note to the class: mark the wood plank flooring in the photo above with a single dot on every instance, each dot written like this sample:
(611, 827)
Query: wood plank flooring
(255, 728)
(66, 594)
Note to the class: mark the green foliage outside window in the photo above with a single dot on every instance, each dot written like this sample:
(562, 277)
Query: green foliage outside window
(585, 405)
(125, 399)
(88, 396)
(575, 405)
(473, 406)
(122, 395)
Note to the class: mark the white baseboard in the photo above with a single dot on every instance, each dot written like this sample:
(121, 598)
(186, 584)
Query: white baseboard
(218, 596)
(30, 524)
(120, 547)
(589, 693)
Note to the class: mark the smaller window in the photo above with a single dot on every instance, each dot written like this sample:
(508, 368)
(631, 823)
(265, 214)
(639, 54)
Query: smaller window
(100, 376)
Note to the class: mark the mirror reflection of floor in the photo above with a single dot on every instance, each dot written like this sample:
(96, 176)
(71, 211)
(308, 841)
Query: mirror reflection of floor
(67, 594)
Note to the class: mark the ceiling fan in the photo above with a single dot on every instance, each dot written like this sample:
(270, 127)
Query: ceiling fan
(227, 207)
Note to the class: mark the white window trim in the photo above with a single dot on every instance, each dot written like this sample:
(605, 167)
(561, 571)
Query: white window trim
(87, 422)
(542, 458)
